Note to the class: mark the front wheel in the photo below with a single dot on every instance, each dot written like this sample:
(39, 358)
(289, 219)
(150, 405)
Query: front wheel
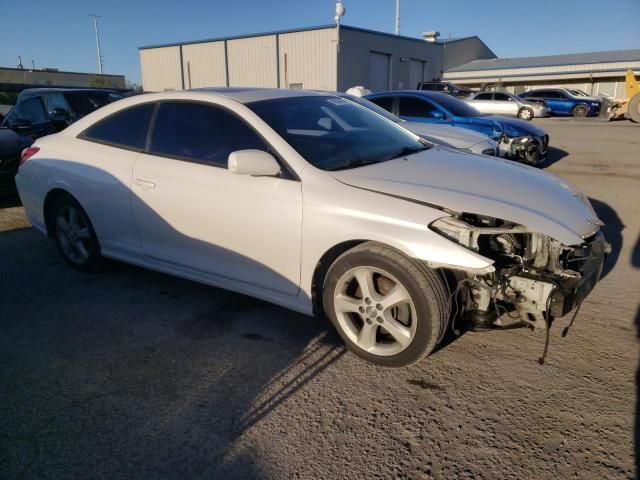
(580, 111)
(525, 113)
(74, 235)
(387, 308)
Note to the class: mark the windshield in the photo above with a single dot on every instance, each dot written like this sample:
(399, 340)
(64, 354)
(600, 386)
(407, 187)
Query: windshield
(333, 133)
(373, 107)
(458, 108)
(577, 92)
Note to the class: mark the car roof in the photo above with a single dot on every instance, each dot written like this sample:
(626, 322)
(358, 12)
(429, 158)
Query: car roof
(419, 93)
(251, 94)
(34, 92)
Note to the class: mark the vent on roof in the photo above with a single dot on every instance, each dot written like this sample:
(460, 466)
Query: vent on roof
(431, 36)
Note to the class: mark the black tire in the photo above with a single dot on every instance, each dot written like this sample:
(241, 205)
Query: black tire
(580, 111)
(94, 259)
(633, 110)
(426, 288)
(525, 113)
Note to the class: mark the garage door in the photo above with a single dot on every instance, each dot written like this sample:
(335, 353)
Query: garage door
(416, 73)
(378, 72)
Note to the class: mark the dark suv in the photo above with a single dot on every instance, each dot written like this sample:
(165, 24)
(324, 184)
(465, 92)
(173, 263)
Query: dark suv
(39, 112)
(445, 87)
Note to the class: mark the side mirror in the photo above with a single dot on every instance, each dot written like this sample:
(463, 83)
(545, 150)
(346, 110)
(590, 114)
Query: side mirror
(253, 162)
(437, 114)
(59, 115)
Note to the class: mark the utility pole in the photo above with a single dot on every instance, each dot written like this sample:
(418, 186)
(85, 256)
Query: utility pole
(95, 27)
(397, 17)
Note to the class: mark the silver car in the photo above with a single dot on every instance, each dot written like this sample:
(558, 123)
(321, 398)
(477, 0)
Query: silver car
(504, 103)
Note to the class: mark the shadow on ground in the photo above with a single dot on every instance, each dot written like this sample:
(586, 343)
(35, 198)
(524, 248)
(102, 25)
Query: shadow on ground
(554, 155)
(135, 374)
(612, 230)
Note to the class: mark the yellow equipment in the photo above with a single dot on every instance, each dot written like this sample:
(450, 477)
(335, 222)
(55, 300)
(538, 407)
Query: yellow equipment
(628, 107)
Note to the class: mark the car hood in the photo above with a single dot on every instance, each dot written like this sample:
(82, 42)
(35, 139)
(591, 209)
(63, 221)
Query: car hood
(525, 128)
(445, 134)
(464, 182)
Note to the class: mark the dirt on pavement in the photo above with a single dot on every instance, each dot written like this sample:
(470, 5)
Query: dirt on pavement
(134, 374)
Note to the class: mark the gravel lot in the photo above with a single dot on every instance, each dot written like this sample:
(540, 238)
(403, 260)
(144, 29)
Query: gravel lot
(134, 374)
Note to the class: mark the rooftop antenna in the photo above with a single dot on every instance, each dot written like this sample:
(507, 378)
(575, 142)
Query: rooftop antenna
(397, 17)
(340, 11)
(95, 27)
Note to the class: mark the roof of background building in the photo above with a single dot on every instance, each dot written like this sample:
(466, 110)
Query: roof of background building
(306, 29)
(550, 60)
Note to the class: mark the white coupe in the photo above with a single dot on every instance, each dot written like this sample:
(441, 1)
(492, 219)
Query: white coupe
(318, 204)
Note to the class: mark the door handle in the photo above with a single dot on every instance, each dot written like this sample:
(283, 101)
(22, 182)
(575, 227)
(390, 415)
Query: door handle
(146, 184)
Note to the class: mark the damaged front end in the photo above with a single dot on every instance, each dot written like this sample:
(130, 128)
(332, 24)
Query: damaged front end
(527, 149)
(536, 278)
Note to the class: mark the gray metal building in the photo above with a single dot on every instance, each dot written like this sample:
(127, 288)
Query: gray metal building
(17, 79)
(323, 58)
(595, 72)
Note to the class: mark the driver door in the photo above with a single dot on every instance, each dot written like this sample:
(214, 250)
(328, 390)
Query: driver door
(194, 214)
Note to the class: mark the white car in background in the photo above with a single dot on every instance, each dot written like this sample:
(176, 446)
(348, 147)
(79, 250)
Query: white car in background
(505, 103)
(315, 203)
(445, 135)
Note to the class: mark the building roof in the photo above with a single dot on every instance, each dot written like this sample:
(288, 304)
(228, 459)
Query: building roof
(549, 60)
(306, 29)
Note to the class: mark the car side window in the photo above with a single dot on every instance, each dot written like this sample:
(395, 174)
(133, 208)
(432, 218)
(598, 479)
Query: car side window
(415, 107)
(30, 110)
(384, 102)
(126, 128)
(483, 96)
(57, 100)
(201, 132)
(502, 97)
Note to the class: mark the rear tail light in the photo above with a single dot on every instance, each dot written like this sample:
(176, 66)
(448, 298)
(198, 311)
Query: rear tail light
(27, 153)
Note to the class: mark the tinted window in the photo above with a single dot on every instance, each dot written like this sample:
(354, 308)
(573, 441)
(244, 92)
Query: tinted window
(30, 110)
(483, 96)
(333, 133)
(127, 128)
(202, 132)
(455, 106)
(414, 107)
(375, 108)
(56, 100)
(501, 97)
(384, 102)
(83, 103)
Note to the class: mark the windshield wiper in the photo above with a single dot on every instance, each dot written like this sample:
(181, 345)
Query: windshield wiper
(361, 162)
(408, 151)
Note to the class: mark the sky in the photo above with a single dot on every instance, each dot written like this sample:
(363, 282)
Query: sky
(60, 34)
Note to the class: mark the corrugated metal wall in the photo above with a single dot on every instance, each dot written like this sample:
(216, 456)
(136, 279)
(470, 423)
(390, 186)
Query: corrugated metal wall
(309, 58)
(161, 69)
(359, 48)
(203, 65)
(252, 62)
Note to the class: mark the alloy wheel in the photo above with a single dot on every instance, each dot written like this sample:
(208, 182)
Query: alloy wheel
(375, 310)
(73, 234)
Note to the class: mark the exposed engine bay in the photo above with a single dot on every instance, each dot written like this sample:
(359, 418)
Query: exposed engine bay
(536, 278)
(527, 149)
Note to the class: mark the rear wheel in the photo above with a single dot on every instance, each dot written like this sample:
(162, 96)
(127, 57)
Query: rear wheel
(525, 113)
(74, 235)
(388, 309)
(580, 111)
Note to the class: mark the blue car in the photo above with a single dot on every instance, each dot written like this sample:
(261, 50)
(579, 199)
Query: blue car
(565, 102)
(518, 140)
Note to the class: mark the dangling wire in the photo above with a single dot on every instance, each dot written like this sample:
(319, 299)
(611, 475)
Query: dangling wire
(547, 321)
